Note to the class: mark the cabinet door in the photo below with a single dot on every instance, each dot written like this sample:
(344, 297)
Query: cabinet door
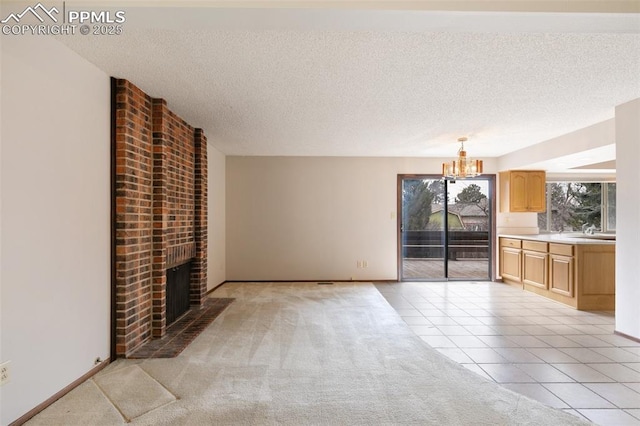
(561, 275)
(518, 191)
(510, 261)
(534, 268)
(536, 194)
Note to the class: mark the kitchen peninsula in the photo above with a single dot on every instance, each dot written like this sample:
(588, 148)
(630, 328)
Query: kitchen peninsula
(574, 269)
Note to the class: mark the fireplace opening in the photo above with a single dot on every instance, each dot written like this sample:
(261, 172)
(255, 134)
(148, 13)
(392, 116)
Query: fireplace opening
(178, 282)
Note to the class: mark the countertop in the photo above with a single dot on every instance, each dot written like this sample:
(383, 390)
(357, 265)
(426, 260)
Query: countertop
(571, 238)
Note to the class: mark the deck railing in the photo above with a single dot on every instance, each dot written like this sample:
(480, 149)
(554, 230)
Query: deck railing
(430, 245)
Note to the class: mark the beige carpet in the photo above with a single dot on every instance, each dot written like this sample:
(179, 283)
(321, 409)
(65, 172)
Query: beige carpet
(299, 354)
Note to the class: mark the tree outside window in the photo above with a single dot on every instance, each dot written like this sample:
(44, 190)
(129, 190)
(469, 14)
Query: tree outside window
(572, 205)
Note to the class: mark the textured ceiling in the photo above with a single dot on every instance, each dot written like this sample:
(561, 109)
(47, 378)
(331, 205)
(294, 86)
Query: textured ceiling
(375, 83)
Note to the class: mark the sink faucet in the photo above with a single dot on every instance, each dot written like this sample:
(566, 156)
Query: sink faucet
(588, 229)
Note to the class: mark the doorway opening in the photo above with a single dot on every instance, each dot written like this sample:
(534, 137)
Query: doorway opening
(445, 228)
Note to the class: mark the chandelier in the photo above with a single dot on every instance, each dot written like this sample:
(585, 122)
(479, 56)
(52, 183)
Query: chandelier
(463, 167)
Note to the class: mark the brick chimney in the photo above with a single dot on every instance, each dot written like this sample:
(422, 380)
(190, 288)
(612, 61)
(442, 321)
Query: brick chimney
(160, 212)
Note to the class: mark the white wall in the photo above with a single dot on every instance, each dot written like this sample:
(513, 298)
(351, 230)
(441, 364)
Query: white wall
(55, 239)
(628, 219)
(2, 83)
(216, 254)
(313, 218)
(589, 141)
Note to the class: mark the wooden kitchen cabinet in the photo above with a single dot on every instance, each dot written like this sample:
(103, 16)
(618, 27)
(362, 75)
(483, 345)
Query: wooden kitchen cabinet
(534, 264)
(561, 267)
(561, 274)
(523, 191)
(511, 259)
(578, 275)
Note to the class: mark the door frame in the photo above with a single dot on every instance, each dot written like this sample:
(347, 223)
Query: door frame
(492, 227)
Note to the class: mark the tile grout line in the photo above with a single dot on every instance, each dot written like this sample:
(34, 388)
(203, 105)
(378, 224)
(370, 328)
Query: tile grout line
(583, 333)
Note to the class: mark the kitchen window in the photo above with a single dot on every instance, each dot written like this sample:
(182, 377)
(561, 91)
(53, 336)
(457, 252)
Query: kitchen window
(575, 206)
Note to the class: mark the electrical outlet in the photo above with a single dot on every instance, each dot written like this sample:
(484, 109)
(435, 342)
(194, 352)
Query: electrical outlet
(359, 264)
(4, 373)
(365, 264)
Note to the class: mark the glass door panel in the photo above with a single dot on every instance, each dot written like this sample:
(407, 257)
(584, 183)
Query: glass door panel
(469, 229)
(422, 229)
(445, 228)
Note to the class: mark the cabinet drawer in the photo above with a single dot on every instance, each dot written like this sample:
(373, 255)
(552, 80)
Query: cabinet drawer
(562, 249)
(510, 242)
(534, 246)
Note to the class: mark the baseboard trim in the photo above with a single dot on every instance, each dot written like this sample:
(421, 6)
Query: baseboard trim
(635, 339)
(40, 407)
(214, 288)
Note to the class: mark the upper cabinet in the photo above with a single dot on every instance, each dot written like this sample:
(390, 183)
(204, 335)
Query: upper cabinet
(523, 191)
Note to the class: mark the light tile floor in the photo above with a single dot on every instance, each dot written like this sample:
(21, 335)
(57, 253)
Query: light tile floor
(565, 358)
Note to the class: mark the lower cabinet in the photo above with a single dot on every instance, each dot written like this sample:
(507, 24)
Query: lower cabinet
(510, 263)
(578, 275)
(511, 259)
(534, 264)
(561, 275)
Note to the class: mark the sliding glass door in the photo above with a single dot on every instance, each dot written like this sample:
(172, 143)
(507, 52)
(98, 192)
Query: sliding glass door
(445, 228)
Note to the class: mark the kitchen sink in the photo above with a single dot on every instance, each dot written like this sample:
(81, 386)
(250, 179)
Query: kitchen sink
(599, 236)
(596, 236)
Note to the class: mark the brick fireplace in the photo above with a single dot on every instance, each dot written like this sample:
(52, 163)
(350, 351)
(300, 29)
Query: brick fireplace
(160, 213)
